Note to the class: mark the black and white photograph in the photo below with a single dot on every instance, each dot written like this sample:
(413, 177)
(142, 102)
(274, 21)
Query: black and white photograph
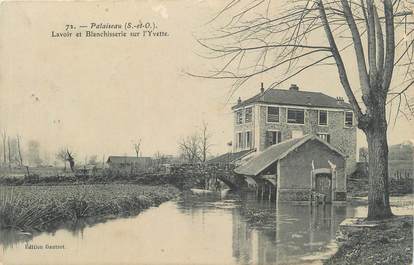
(206, 132)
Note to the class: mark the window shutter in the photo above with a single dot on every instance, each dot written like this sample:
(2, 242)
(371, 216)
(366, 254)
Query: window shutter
(279, 137)
(268, 138)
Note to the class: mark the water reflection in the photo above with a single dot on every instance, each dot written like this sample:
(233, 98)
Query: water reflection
(266, 233)
(197, 229)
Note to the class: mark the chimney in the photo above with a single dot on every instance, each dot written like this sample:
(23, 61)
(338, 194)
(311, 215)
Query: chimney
(339, 100)
(262, 88)
(239, 101)
(294, 87)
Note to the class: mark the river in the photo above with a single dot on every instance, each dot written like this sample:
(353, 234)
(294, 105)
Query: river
(215, 228)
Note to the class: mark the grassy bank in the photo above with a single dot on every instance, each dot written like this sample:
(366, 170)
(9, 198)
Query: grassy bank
(389, 243)
(45, 208)
(181, 180)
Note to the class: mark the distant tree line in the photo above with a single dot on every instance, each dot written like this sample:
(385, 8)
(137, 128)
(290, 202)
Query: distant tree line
(14, 154)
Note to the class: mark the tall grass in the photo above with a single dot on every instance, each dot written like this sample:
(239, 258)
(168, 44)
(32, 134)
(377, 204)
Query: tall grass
(40, 208)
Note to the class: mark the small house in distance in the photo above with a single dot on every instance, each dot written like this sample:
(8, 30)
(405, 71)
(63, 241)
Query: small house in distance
(298, 167)
(129, 163)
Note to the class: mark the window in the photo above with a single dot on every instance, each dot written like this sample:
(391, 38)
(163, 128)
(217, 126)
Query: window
(323, 117)
(324, 136)
(249, 140)
(239, 117)
(349, 119)
(248, 115)
(272, 114)
(273, 137)
(296, 116)
(239, 140)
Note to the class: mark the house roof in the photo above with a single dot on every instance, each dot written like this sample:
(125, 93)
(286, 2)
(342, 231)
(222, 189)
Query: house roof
(127, 159)
(276, 152)
(295, 98)
(230, 157)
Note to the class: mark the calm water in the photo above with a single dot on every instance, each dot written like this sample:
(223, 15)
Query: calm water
(204, 229)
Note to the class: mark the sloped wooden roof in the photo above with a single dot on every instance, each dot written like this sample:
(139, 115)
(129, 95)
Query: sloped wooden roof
(276, 152)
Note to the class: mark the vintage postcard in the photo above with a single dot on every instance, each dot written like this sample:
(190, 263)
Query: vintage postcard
(206, 132)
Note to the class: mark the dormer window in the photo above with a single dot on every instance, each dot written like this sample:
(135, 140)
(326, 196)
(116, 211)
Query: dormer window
(248, 115)
(272, 114)
(323, 117)
(349, 119)
(239, 117)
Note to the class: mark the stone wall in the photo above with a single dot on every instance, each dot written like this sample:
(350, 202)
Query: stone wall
(296, 167)
(294, 195)
(341, 137)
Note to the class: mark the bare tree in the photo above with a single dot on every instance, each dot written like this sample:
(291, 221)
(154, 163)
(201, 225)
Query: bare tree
(70, 159)
(62, 156)
(196, 147)
(190, 148)
(159, 159)
(4, 136)
(10, 151)
(254, 38)
(137, 147)
(65, 156)
(204, 141)
(18, 138)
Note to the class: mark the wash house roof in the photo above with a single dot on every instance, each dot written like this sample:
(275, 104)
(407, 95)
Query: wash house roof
(257, 164)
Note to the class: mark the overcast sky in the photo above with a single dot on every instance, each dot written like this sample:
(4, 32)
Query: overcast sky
(100, 95)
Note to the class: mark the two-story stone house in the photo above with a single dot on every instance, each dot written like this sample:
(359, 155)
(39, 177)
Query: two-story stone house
(276, 115)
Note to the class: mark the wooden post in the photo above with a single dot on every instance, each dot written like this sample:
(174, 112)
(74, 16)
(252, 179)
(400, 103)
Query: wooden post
(270, 193)
(312, 185)
(262, 191)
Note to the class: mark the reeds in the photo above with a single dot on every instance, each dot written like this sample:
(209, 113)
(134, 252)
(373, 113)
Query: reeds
(40, 208)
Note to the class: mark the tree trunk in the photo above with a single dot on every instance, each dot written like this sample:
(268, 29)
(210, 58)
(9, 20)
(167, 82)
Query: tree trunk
(20, 152)
(8, 145)
(4, 149)
(378, 195)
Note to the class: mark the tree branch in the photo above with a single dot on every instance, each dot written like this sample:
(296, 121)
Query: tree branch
(390, 45)
(359, 51)
(338, 59)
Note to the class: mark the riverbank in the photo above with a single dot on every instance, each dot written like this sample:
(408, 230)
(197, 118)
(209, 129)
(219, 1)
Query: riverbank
(391, 242)
(46, 208)
(388, 242)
